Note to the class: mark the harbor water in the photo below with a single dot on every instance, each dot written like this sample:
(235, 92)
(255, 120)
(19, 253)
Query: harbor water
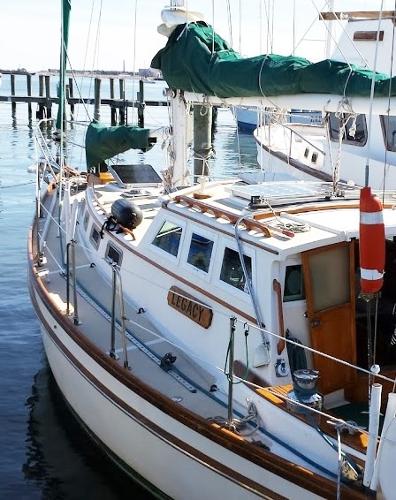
(44, 451)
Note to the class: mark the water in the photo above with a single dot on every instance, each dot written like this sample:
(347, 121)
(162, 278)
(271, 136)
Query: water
(44, 452)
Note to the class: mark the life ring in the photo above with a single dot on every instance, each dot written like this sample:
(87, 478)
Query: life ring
(372, 242)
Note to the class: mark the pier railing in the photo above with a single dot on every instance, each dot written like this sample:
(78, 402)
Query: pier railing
(119, 105)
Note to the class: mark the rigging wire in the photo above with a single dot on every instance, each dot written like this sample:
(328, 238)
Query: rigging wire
(134, 115)
(309, 27)
(344, 31)
(229, 19)
(387, 127)
(84, 61)
(213, 26)
(240, 28)
(369, 126)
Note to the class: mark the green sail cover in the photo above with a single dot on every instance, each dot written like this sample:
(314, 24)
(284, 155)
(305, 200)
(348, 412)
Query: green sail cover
(101, 142)
(187, 63)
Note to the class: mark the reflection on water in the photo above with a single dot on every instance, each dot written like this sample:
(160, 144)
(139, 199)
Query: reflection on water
(61, 459)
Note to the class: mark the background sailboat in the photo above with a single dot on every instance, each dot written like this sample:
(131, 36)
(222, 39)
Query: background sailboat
(312, 152)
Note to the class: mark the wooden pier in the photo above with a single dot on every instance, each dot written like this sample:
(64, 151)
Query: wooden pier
(118, 105)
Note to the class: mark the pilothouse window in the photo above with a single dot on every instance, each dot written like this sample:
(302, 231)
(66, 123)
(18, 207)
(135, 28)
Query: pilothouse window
(168, 238)
(232, 271)
(389, 132)
(355, 128)
(294, 284)
(200, 252)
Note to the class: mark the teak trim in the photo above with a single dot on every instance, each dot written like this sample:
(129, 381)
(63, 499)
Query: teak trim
(223, 214)
(278, 291)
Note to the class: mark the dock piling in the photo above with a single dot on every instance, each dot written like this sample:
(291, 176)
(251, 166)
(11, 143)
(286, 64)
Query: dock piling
(71, 96)
(113, 110)
(48, 103)
(122, 98)
(97, 98)
(141, 104)
(29, 93)
(13, 103)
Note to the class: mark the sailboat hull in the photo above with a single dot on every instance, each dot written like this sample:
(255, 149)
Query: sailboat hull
(168, 454)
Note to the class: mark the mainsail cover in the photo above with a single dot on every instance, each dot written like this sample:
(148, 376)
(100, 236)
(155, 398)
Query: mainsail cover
(102, 143)
(196, 59)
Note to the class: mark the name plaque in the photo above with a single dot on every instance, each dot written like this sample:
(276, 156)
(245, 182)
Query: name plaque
(189, 306)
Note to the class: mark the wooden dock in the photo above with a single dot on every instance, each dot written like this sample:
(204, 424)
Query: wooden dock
(118, 105)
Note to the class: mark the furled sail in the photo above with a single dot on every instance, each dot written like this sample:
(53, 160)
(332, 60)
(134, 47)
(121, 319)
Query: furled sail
(196, 59)
(102, 143)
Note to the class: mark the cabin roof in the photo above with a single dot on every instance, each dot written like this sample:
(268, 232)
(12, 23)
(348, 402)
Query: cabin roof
(305, 209)
(289, 218)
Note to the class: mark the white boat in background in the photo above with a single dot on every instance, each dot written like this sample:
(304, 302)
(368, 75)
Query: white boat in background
(248, 119)
(313, 151)
(211, 337)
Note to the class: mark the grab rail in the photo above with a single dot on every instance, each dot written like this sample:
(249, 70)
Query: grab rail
(71, 245)
(116, 274)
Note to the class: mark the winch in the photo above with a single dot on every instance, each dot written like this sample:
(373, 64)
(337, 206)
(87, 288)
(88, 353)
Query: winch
(304, 392)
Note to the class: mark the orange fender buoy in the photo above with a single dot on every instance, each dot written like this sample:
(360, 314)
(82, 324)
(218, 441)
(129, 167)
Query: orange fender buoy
(372, 242)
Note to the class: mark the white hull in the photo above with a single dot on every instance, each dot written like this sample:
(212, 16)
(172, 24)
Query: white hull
(141, 442)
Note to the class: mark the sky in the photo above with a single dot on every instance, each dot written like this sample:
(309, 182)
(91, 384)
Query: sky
(103, 35)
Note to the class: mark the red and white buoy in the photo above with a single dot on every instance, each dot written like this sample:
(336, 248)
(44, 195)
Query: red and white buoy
(372, 242)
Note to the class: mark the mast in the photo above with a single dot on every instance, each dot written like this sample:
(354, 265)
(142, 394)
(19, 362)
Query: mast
(66, 8)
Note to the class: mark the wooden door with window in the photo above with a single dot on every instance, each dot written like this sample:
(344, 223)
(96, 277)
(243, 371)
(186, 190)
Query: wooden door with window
(330, 296)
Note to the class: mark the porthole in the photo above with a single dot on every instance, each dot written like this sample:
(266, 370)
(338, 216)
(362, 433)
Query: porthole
(95, 237)
(113, 255)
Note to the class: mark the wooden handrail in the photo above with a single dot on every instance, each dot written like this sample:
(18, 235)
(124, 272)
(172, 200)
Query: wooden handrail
(249, 223)
(278, 290)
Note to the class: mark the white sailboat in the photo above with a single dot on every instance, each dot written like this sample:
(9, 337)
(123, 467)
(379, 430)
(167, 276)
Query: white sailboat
(210, 337)
(310, 151)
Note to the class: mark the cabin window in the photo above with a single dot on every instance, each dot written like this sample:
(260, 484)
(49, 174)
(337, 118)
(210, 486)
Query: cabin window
(294, 284)
(95, 237)
(232, 271)
(200, 252)
(355, 132)
(86, 219)
(168, 238)
(388, 124)
(113, 255)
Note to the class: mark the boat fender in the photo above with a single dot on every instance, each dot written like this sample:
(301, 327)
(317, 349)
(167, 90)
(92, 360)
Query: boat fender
(372, 242)
(126, 213)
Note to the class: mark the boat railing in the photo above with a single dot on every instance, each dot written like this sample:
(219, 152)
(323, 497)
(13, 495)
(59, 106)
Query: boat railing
(293, 133)
(71, 259)
(117, 290)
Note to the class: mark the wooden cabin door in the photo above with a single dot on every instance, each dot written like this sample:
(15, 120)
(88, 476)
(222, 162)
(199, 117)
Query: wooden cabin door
(330, 295)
